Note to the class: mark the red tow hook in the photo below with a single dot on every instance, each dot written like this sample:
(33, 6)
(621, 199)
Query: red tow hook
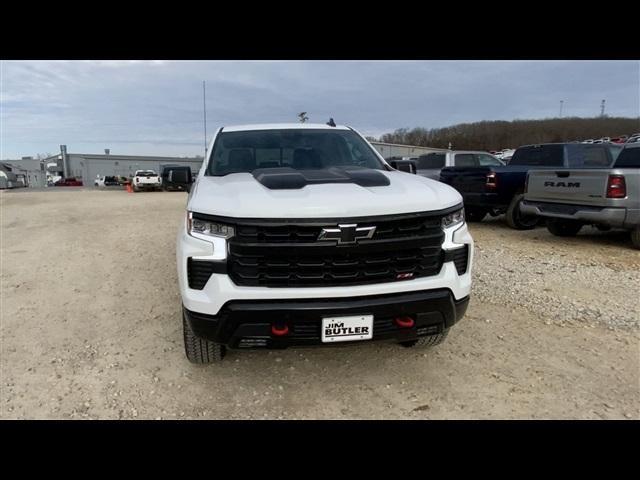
(404, 322)
(279, 331)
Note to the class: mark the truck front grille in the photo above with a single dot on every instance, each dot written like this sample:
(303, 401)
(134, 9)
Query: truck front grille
(290, 254)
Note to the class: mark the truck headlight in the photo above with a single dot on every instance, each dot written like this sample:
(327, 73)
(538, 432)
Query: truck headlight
(198, 227)
(454, 218)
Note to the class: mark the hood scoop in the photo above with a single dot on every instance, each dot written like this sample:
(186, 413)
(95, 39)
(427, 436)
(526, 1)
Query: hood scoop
(286, 178)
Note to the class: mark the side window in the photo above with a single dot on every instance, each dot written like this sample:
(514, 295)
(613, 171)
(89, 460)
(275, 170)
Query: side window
(488, 161)
(588, 156)
(465, 160)
(431, 160)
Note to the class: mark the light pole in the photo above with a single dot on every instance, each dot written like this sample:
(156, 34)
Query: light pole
(561, 104)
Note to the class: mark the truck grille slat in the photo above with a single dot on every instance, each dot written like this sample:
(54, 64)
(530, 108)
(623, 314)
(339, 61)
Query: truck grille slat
(461, 259)
(198, 273)
(291, 255)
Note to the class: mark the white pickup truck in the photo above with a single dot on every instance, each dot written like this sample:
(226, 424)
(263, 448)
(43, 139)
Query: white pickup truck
(146, 180)
(571, 198)
(302, 234)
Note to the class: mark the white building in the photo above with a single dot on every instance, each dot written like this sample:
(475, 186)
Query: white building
(396, 150)
(86, 166)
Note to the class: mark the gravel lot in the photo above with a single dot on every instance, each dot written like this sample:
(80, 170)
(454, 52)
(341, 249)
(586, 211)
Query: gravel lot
(90, 328)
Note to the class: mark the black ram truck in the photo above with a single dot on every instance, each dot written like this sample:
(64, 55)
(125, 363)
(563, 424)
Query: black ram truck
(495, 190)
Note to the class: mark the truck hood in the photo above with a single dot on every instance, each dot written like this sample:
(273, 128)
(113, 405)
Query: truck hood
(240, 195)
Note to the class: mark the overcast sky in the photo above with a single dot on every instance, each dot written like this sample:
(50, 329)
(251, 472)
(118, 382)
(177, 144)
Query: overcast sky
(155, 108)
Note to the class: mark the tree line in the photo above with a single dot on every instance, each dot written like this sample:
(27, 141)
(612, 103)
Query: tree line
(499, 134)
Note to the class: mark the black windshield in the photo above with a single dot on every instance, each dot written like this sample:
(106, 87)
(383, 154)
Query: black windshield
(301, 149)
(629, 158)
(540, 155)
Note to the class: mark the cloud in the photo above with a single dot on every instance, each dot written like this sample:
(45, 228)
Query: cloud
(142, 107)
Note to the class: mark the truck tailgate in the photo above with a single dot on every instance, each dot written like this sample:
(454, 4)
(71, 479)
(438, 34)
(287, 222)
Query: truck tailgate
(148, 180)
(465, 180)
(577, 186)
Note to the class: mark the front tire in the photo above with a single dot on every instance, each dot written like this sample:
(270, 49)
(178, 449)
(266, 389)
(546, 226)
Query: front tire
(563, 228)
(427, 341)
(200, 350)
(514, 217)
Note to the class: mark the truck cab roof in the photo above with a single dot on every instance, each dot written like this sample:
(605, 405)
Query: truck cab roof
(282, 126)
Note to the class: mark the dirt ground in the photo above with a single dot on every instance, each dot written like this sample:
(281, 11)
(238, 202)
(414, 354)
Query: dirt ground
(90, 328)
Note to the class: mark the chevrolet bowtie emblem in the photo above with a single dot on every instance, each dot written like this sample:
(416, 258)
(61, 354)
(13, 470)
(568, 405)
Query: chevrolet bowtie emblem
(346, 233)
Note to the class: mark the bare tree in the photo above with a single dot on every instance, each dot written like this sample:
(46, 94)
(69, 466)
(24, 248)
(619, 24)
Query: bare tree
(496, 135)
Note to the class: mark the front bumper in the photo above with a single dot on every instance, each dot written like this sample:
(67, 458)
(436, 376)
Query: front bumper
(220, 289)
(611, 216)
(247, 323)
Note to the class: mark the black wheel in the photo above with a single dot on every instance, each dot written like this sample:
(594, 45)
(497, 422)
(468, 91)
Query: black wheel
(475, 214)
(515, 219)
(563, 228)
(635, 237)
(199, 350)
(427, 341)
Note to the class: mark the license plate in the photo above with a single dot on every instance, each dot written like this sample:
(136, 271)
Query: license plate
(345, 329)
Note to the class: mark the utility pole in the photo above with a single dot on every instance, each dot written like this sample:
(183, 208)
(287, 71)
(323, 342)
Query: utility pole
(602, 109)
(561, 104)
(204, 109)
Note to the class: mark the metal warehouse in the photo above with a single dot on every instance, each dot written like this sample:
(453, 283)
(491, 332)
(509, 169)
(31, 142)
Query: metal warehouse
(396, 150)
(87, 166)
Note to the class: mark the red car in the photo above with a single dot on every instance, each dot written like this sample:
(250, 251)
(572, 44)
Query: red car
(620, 139)
(68, 182)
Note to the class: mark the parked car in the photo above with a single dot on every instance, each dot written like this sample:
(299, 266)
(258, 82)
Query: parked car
(146, 180)
(106, 181)
(176, 177)
(497, 190)
(571, 198)
(620, 139)
(68, 182)
(505, 155)
(633, 139)
(429, 165)
(302, 234)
